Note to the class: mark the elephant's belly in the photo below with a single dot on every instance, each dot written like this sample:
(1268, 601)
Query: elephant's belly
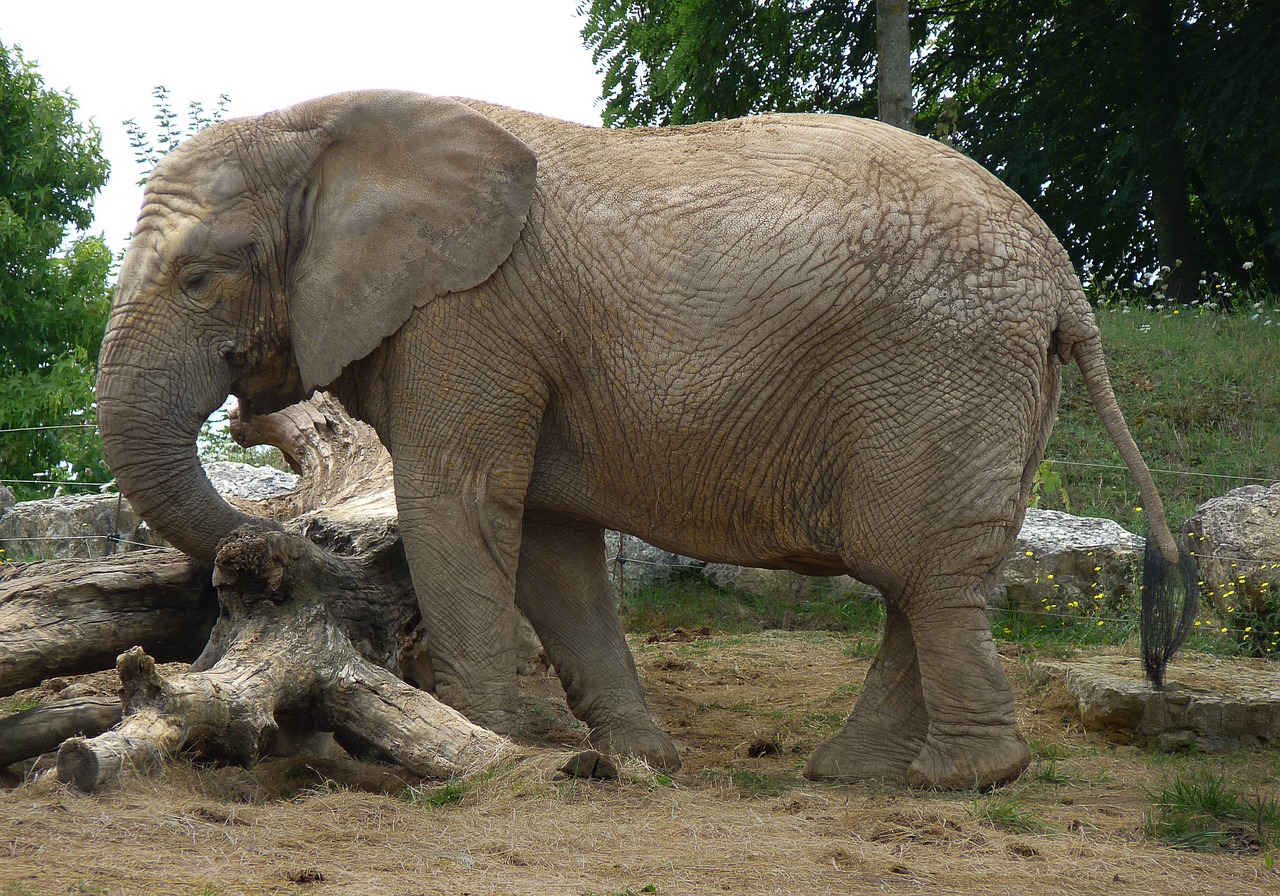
(682, 506)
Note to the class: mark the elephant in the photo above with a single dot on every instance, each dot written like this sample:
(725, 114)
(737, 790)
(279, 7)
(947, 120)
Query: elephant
(805, 342)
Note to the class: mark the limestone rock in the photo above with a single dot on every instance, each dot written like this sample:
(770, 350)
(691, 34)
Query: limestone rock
(642, 565)
(1065, 563)
(73, 526)
(1060, 560)
(89, 525)
(250, 483)
(1209, 703)
(1236, 542)
(781, 581)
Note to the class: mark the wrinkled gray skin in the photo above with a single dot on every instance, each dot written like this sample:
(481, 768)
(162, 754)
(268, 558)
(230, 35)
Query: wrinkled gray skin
(807, 342)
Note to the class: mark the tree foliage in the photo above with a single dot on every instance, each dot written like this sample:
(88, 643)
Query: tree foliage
(1144, 131)
(170, 128)
(54, 295)
(670, 62)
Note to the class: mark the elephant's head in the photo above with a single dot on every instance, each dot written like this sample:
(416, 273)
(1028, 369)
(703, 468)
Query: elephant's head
(272, 252)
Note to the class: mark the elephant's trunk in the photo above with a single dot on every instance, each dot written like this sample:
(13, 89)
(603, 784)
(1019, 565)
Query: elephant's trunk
(150, 410)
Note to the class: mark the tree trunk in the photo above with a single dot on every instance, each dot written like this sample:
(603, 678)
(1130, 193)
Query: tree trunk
(1170, 207)
(307, 637)
(893, 64)
(67, 617)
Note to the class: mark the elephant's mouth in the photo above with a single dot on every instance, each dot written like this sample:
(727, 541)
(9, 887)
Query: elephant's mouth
(261, 401)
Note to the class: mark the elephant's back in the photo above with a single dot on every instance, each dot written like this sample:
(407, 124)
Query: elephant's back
(846, 200)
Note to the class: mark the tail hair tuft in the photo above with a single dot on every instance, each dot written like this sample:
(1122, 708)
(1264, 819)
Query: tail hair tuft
(1165, 624)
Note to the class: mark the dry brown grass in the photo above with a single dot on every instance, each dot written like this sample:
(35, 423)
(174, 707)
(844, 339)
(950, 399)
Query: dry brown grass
(728, 823)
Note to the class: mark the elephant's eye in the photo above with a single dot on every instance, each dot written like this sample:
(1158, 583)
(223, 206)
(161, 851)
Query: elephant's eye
(195, 281)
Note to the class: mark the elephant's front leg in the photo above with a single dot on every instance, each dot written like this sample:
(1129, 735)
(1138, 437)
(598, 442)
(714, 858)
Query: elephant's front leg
(462, 545)
(563, 588)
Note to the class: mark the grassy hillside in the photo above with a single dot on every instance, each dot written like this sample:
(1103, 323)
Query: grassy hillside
(1201, 393)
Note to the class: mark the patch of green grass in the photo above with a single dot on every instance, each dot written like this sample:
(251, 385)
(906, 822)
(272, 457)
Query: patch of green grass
(1008, 812)
(1201, 810)
(753, 784)
(1061, 633)
(1199, 392)
(1046, 772)
(15, 889)
(11, 706)
(451, 793)
(810, 605)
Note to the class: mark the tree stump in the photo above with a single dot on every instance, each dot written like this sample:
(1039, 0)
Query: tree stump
(317, 628)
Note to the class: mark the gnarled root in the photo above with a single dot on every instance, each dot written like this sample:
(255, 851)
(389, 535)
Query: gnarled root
(283, 649)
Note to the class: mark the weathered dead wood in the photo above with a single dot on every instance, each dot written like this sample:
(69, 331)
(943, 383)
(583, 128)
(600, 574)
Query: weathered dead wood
(67, 617)
(43, 728)
(306, 638)
(342, 466)
(282, 648)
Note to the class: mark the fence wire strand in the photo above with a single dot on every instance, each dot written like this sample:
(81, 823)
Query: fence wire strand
(621, 559)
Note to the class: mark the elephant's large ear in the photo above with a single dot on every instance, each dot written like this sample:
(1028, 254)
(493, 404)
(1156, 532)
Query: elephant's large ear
(405, 198)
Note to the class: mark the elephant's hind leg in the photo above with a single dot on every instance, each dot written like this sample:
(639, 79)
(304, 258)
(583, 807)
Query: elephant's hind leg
(888, 726)
(973, 738)
(562, 586)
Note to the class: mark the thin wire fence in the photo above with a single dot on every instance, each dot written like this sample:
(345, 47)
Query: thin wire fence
(55, 428)
(621, 559)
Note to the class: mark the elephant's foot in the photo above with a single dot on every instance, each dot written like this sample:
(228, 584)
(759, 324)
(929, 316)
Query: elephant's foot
(976, 761)
(496, 713)
(640, 740)
(851, 756)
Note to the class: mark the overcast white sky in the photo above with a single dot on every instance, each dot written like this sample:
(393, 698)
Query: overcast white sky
(267, 54)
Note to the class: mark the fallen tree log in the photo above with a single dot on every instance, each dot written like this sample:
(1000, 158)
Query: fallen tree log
(45, 727)
(317, 629)
(283, 650)
(67, 617)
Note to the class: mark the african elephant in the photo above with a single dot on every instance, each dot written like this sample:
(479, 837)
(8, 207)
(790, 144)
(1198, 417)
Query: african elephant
(804, 342)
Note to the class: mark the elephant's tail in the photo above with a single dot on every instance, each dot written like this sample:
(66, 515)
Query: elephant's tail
(1169, 573)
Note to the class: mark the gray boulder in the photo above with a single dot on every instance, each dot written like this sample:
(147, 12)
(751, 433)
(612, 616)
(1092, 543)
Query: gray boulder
(1061, 563)
(1236, 542)
(102, 524)
(237, 480)
(641, 565)
(1065, 563)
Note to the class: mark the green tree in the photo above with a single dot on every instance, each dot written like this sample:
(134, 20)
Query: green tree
(54, 294)
(170, 129)
(683, 61)
(1144, 131)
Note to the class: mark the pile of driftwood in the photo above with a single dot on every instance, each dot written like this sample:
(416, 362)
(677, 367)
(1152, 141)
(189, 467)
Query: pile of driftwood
(307, 624)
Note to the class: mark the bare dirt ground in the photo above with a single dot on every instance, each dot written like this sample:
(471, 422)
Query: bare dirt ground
(738, 819)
